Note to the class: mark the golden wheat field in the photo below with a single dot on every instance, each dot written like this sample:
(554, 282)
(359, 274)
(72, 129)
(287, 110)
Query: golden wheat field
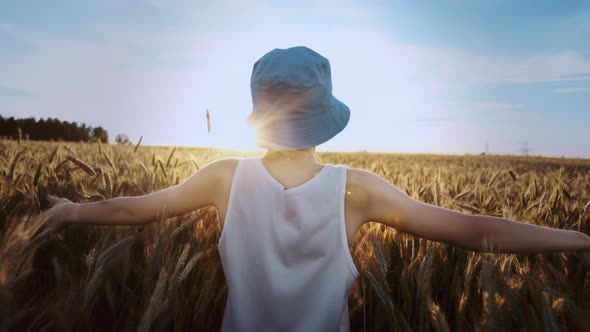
(167, 275)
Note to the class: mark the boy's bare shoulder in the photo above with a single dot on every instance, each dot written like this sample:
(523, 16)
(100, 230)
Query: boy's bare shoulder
(357, 191)
(358, 175)
(224, 168)
(218, 172)
(226, 164)
(364, 186)
(361, 178)
(221, 172)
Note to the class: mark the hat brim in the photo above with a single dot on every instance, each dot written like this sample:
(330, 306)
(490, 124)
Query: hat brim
(297, 132)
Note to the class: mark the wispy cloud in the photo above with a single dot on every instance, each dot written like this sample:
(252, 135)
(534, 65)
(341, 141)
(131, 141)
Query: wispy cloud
(496, 106)
(508, 115)
(571, 89)
(518, 69)
(6, 92)
(434, 119)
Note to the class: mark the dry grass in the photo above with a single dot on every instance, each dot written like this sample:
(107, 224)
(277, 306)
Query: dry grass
(168, 275)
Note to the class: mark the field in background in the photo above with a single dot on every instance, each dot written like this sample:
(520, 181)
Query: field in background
(167, 275)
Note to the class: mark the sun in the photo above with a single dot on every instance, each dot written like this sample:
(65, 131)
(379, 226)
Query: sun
(243, 140)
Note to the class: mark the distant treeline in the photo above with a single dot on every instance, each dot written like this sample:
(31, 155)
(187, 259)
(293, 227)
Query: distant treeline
(50, 129)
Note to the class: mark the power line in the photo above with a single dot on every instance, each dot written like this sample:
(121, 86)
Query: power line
(524, 149)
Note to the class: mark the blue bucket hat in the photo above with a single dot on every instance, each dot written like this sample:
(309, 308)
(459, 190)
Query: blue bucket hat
(293, 105)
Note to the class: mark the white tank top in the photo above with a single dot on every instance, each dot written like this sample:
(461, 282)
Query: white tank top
(284, 252)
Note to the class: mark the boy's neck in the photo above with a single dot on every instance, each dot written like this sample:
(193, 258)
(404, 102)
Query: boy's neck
(291, 155)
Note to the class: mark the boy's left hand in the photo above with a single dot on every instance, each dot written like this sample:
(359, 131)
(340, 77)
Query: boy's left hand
(53, 218)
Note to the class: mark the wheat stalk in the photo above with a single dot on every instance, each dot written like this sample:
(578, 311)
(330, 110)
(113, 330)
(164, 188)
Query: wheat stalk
(89, 170)
(138, 143)
(155, 302)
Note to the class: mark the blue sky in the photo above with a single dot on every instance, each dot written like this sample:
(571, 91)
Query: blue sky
(418, 76)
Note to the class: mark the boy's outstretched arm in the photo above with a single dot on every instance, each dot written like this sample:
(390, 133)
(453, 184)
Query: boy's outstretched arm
(198, 190)
(390, 206)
